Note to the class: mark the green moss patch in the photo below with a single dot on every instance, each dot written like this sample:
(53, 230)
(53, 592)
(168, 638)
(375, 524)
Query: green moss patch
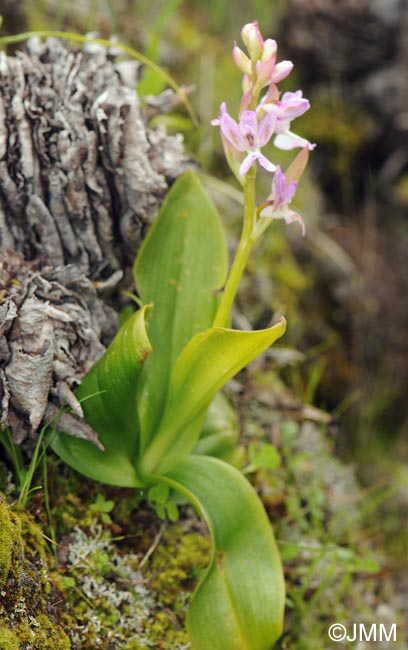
(28, 617)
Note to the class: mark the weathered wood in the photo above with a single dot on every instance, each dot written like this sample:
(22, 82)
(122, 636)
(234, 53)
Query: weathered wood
(81, 176)
(53, 327)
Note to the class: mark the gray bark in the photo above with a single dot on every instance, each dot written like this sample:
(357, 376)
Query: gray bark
(53, 327)
(80, 174)
(81, 177)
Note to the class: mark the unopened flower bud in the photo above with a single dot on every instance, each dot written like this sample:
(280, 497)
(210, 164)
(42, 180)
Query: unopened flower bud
(269, 50)
(241, 60)
(282, 70)
(253, 40)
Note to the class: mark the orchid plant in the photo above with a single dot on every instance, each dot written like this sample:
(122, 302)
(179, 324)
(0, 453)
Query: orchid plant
(154, 399)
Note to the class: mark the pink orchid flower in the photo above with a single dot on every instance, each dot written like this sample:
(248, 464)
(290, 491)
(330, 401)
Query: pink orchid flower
(288, 108)
(281, 196)
(247, 136)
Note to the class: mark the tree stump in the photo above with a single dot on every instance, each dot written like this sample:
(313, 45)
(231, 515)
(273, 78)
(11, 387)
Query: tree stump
(81, 177)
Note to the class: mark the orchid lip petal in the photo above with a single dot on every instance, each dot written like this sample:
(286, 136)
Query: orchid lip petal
(288, 216)
(289, 140)
(292, 216)
(247, 163)
(265, 163)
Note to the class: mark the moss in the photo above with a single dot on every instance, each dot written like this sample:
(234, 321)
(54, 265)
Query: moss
(179, 560)
(164, 635)
(41, 634)
(28, 618)
(9, 531)
(8, 639)
(172, 574)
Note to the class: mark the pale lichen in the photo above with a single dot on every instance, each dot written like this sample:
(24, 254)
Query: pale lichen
(127, 603)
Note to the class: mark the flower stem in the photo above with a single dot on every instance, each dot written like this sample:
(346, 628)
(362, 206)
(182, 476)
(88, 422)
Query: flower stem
(246, 243)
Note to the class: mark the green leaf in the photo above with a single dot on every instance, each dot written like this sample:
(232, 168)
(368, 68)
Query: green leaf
(101, 504)
(108, 397)
(68, 581)
(208, 361)
(263, 456)
(180, 268)
(172, 511)
(159, 493)
(239, 603)
(220, 432)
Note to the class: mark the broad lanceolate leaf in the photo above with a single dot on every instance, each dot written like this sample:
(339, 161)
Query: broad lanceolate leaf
(239, 603)
(108, 397)
(208, 361)
(180, 269)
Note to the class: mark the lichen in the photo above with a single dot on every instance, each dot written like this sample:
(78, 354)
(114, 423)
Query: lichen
(121, 596)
